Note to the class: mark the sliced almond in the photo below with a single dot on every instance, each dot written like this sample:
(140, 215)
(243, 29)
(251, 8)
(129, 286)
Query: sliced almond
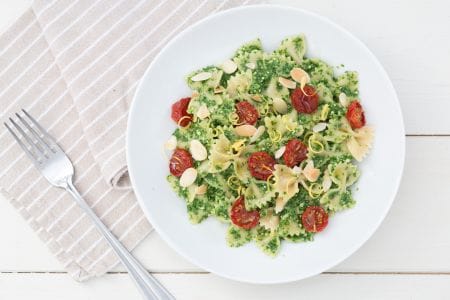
(311, 173)
(326, 183)
(171, 143)
(297, 170)
(257, 134)
(287, 83)
(279, 153)
(203, 112)
(201, 190)
(197, 150)
(229, 66)
(191, 192)
(343, 99)
(188, 177)
(319, 127)
(195, 94)
(219, 89)
(251, 65)
(245, 130)
(201, 76)
(280, 105)
(299, 75)
(257, 98)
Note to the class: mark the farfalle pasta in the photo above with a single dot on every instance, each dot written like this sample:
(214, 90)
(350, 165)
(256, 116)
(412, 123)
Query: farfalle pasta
(268, 143)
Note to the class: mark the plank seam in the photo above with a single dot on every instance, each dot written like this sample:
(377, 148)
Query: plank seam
(428, 135)
(205, 273)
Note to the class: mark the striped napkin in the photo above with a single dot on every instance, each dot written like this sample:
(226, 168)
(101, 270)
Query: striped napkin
(74, 65)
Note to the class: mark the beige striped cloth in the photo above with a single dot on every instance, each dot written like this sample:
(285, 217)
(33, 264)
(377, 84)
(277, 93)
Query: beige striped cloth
(74, 65)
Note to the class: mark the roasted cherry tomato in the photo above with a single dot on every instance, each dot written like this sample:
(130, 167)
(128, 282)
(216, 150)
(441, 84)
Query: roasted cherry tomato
(355, 115)
(305, 102)
(179, 112)
(261, 165)
(180, 161)
(295, 153)
(247, 113)
(314, 219)
(242, 217)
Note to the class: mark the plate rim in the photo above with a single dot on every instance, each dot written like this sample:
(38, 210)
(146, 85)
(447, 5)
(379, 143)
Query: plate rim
(371, 231)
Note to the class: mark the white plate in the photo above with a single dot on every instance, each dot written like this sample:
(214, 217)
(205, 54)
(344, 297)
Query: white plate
(211, 41)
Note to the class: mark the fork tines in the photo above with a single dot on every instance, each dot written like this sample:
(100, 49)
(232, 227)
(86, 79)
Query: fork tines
(30, 135)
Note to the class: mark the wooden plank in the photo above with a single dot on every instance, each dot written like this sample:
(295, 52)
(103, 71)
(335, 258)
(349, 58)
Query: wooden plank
(21, 247)
(206, 286)
(412, 238)
(415, 54)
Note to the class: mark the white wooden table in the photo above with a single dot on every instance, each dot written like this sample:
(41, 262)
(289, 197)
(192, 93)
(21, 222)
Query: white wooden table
(407, 258)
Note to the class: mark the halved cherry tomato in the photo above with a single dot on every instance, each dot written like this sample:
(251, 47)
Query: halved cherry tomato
(314, 219)
(242, 217)
(247, 113)
(261, 165)
(180, 161)
(295, 153)
(179, 111)
(355, 115)
(305, 102)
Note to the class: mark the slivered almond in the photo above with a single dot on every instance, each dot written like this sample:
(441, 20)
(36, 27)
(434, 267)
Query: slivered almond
(280, 105)
(197, 150)
(195, 94)
(299, 75)
(229, 66)
(171, 143)
(203, 112)
(319, 127)
(287, 83)
(201, 76)
(251, 65)
(279, 153)
(201, 190)
(188, 177)
(258, 133)
(245, 130)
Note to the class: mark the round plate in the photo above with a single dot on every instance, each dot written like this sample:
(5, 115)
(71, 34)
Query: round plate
(211, 41)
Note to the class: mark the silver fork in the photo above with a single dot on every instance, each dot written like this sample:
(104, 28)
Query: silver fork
(57, 168)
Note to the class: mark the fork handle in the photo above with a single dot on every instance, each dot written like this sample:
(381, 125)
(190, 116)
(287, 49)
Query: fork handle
(149, 287)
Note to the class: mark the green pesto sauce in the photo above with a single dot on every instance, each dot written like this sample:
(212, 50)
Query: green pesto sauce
(257, 75)
(268, 68)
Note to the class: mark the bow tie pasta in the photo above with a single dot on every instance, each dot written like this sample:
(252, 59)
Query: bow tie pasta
(268, 143)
